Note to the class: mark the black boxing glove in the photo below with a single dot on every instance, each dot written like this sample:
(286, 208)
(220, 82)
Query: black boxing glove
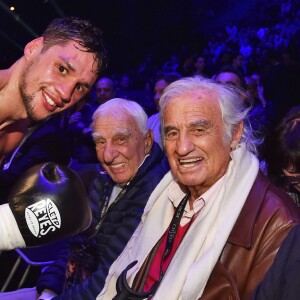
(49, 202)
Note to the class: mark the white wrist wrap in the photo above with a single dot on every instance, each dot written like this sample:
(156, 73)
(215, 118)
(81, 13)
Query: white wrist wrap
(10, 236)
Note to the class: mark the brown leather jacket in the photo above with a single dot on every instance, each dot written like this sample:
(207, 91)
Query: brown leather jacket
(266, 218)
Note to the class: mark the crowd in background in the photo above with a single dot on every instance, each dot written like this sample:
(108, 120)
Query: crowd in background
(257, 47)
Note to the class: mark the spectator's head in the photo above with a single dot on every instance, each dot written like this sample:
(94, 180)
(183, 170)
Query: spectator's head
(257, 77)
(125, 82)
(105, 90)
(159, 88)
(120, 132)
(238, 60)
(199, 64)
(162, 83)
(231, 76)
(252, 90)
(62, 31)
(283, 157)
(224, 58)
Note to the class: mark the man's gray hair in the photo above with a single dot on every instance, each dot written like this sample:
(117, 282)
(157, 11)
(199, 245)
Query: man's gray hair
(116, 106)
(232, 106)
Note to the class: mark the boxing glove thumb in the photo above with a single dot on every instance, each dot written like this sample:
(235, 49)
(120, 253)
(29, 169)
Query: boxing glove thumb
(49, 202)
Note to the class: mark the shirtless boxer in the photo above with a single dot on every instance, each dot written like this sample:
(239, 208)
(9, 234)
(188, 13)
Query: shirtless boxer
(55, 72)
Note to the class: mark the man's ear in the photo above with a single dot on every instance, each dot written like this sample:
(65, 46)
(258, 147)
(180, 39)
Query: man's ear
(148, 141)
(237, 135)
(33, 47)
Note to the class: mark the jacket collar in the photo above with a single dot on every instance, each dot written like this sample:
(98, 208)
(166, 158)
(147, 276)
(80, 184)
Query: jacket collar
(242, 231)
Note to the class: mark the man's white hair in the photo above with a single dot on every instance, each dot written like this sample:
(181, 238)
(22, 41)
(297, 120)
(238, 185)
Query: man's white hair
(232, 107)
(117, 106)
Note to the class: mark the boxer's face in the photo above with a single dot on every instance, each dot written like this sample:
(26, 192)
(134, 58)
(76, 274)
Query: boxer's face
(55, 79)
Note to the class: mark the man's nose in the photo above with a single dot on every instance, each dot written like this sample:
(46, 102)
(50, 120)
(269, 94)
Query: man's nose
(65, 90)
(184, 144)
(110, 153)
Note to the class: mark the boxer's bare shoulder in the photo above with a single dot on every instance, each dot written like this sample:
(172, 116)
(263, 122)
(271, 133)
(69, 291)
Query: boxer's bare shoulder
(11, 136)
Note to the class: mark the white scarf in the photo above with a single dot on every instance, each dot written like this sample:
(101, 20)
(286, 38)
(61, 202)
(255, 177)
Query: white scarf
(201, 247)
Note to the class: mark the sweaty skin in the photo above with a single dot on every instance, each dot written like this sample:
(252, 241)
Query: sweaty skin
(11, 136)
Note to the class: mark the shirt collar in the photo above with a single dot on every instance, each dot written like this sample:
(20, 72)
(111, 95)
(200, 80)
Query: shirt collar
(175, 195)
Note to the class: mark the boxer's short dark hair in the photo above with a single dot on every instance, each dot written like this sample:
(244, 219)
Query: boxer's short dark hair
(63, 30)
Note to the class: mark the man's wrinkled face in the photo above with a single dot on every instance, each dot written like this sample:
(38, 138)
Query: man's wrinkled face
(194, 140)
(55, 79)
(120, 146)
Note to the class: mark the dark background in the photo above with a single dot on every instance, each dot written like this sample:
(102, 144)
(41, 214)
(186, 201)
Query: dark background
(133, 29)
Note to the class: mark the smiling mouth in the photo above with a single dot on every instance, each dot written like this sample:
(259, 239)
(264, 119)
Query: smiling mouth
(117, 166)
(189, 162)
(49, 101)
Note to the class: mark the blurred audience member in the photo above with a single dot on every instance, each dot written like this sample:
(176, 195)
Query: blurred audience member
(171, 65)
(126, 88)
(105, 90)
(145, 98)
(231, 30)
(260, 88)
(258, 115)
(80, 131)
(200, 65)
(223, 59)
(261, 111)
(283, 154)
(159, 87)
(83, 152)
(231, 76)
(238, 63)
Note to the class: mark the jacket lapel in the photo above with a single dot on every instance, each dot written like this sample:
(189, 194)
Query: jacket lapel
(242, 231)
